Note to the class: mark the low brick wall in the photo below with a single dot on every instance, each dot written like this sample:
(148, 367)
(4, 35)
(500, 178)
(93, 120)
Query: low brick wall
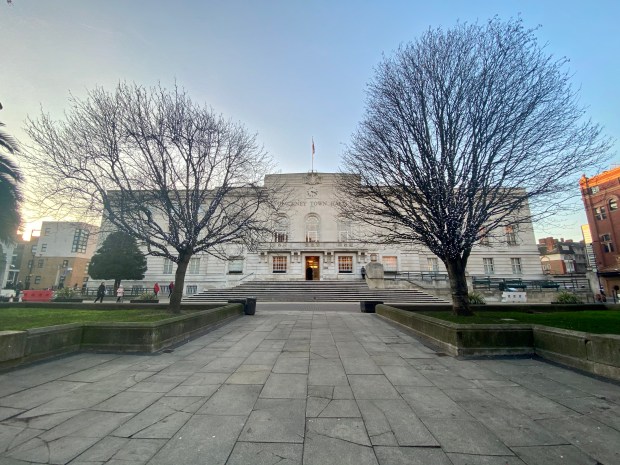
(595, 353)
(22, 347)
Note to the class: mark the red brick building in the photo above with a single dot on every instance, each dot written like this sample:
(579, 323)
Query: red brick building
(601, 199)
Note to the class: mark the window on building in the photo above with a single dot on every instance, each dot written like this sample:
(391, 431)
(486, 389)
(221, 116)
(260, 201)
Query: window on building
(570, 266)
(344, 230)
(345, 264)
(613, 205)
(390, 263)
(191, 289)
(281, 229)
(47, 231)
(33, 249)
(594, 190)
(600, 213)
(489, 266)
(235, 265)
(65, 263)
(511, 235)
(194, 265)
(44, 248)
(37, 279)
(80, 241)
(312, 228)
(30, 264)
(607, 243)
(167, 266)
(279, 264)
(432, 263)
(40, 263)
(515, 263)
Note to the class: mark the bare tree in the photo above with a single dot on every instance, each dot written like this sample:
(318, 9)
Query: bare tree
(465, 130)
(172, 174)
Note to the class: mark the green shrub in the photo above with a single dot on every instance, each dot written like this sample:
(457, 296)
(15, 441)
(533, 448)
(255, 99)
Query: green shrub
(65, 293)
(147, 296)
(565, 297)
(476, 298)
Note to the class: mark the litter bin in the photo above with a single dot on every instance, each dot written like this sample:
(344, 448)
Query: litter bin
(250, 306)
(368, 306)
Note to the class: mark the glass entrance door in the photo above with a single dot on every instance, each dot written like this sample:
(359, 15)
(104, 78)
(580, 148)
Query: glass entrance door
(312, 268)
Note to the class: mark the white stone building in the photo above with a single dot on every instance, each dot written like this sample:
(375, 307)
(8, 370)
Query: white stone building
(310, 235)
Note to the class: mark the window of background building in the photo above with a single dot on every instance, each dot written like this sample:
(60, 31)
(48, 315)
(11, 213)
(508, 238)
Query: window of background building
(570, 266)
(44, 248)
(80, 241)
(30, 263)
(613, 205)
(33, 249)
(281, 229)
(432, 263)
(37, 279)
(594, 190)
(606, 243)
(167, 266)
(489, 266)
(344, 230)
(191, 289)
(47, 231)
(345, 264)
(511, 235)
(65, 263)
(390, 263)
(600, 213)
(516, 265)
(40, 263)
(194, 265)
(312, 228)
(279, 264)
(235, 265)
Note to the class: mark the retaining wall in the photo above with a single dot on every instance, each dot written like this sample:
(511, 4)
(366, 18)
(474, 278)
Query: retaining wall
(595, 353)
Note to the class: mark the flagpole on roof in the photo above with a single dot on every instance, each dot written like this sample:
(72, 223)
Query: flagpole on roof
(312, 168)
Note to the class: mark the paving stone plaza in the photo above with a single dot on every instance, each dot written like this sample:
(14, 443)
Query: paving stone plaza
(306, 386)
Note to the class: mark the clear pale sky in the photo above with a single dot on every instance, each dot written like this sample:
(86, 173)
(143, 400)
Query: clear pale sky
(289, 70)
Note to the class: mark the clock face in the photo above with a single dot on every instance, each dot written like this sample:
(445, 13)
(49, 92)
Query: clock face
(313, 192)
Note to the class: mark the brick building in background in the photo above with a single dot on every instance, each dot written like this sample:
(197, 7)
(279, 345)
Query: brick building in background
(601, 199)
(59, 256)
(562, 257)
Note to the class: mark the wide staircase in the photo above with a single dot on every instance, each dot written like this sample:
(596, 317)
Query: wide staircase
(312, 291)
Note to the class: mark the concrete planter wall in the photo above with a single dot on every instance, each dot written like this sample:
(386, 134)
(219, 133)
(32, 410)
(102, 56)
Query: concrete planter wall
(595, 353)
(22, 347)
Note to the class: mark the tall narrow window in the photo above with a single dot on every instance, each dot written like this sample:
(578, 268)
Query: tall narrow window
(191, 289)
(44, 248)
(432, 264)
(390, 263)
(515, 263)
(194, 265)
(606, 243)
(80, 240)
(345, 264)
(344, 230)
(312, 228)
(280, 230)
(600, 213)
(613, 205)
(167, 266)
(489, 266)
(511, 235)
(279, 264)
(235, 265)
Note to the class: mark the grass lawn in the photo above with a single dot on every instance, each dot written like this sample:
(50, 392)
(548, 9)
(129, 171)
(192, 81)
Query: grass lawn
(28, 318)
(600, 321)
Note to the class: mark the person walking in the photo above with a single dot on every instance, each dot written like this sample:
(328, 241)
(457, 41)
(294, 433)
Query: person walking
(170, 288)
(156, 289)
(363, 273)
(120, 293)
(18, 290)
(100, 293)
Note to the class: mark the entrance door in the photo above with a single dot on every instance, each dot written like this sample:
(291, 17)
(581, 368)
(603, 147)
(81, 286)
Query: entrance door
(312, 268)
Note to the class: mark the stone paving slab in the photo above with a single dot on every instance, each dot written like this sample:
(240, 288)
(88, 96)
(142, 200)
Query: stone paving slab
(309, 385)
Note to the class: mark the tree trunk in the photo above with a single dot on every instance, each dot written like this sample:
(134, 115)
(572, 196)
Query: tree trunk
(458, 286)
(179, 280)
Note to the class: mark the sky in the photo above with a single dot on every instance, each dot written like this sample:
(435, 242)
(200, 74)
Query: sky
(289, 70)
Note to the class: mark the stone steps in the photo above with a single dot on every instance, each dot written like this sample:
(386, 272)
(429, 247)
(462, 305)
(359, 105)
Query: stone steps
(312, 291)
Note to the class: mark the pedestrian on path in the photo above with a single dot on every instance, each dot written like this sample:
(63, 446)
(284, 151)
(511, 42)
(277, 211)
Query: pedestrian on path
(120, 293)
(100, 293)
(156, 289)
(170, 288)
